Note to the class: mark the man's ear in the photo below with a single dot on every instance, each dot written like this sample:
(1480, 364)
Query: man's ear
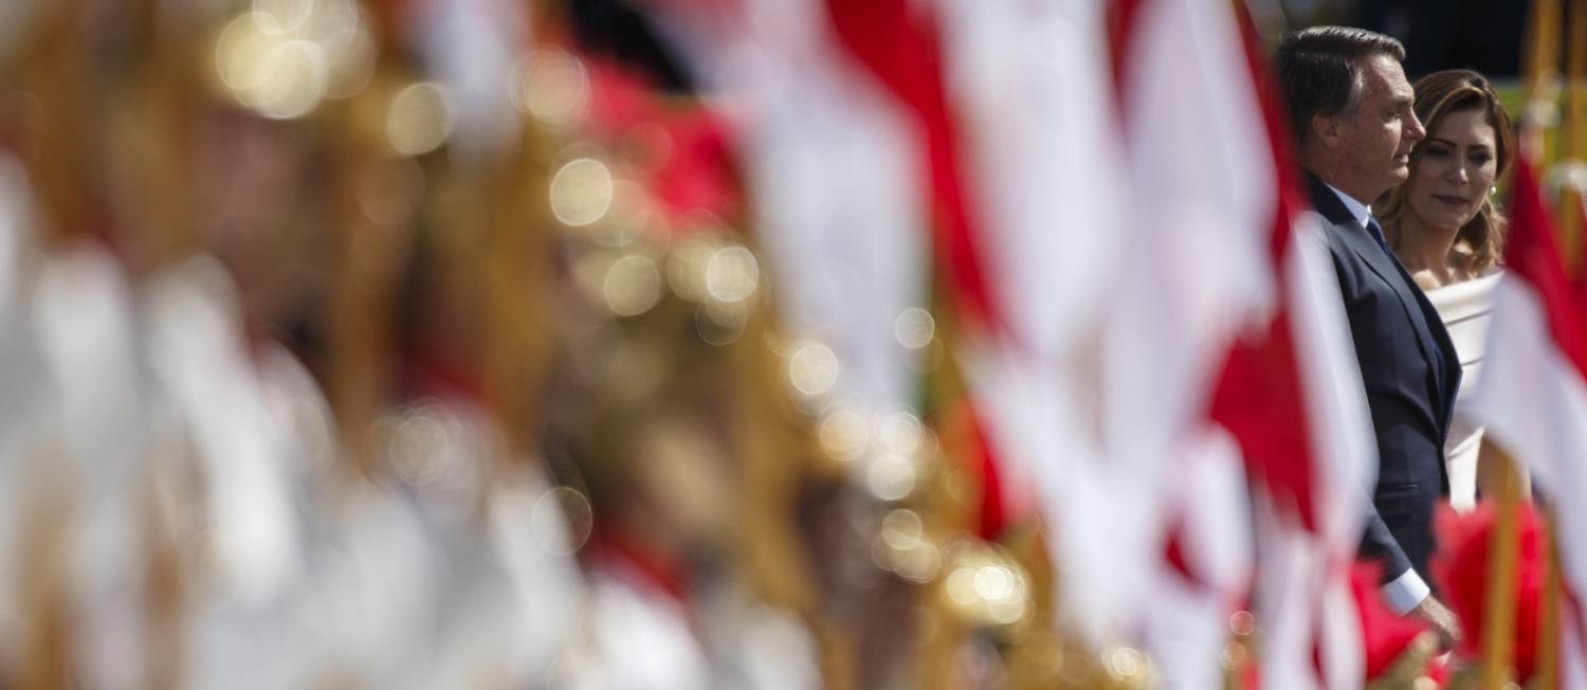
(1327, 130)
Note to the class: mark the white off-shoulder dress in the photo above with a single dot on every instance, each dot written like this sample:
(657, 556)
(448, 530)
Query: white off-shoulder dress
(1467, 311)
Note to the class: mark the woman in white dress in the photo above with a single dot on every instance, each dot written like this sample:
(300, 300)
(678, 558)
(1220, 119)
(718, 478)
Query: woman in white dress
(1446, 229)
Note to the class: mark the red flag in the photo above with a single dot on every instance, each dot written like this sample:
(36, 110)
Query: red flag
(1533, 390)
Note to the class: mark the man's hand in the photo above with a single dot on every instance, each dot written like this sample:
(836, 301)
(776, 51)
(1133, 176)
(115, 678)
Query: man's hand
(1444, 621)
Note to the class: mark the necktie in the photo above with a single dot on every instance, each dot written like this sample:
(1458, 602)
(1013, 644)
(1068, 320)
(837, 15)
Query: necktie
(1377, 234)
(1438, 356)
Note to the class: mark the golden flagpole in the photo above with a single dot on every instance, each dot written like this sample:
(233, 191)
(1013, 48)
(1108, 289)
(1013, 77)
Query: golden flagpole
(162, 98)
(1542, 48)
(1570, 229)
(54, 147)
(1573, 241)
(51, 66)
(1573, 132)
(518, 276)
(371, 251)
(1498, 633)
(1573, 137)
(1548, 635)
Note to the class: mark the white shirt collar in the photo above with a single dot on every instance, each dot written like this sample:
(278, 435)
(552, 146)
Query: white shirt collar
(1360, 211)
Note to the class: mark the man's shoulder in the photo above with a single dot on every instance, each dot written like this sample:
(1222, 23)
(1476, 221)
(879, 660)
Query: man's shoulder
(1316, 229)
(1326, 202)
(1322, 227)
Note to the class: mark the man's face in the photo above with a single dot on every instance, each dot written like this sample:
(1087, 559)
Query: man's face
(1377, 138)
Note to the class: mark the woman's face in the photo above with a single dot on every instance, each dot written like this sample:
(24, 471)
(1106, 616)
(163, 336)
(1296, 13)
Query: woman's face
(1455, 170)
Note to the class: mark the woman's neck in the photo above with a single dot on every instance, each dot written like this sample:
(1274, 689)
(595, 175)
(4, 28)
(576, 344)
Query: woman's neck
(1427, 252)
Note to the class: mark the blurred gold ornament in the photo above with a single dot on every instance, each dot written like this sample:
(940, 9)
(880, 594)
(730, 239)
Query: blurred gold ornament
(632, 285)
(282, 58)
(419, 120)
(891, 476)
(1242, 623)
(721, 323)
(902, 529)
(919, 563)
(731, 274)
(813, 369)
(985, 587)
(280, 79)
(581, 192)
(420, 448)
(901, 547)
(562, 520)
(282, 17)
(914, 328)
(350, 50)
(844, 433)
(552, 86)
(1234, 657)
(1081, 668)
(687, 262)
(901, 433)
(1128, 667)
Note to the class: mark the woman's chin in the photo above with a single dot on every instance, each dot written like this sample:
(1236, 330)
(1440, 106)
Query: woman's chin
(1444, 221)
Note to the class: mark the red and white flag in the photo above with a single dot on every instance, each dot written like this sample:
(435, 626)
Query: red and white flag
(1242, 348)
(1044, 166)
(1533, 391)
(1101, 287)
(833, 162)
(881, 134)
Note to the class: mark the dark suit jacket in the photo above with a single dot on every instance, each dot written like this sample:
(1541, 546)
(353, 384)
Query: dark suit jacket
(1411, 374)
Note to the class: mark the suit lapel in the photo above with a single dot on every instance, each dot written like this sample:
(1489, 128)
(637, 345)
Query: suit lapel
(1424, 319)
(1390, 271)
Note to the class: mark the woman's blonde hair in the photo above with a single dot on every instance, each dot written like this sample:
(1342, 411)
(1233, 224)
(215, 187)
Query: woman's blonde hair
(1437, 95)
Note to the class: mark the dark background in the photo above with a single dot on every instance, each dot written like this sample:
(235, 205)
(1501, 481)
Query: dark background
(1484, 35)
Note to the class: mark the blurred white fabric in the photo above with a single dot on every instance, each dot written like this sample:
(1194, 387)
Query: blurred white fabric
(1467, 311)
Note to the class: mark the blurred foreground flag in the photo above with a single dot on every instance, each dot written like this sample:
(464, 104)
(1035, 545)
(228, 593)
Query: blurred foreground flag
(886, 140)
(1229, 342)
(833, 162)
(1533, 392)
(1046, 190)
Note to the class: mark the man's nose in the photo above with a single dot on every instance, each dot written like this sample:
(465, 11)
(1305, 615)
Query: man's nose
(1413, 128)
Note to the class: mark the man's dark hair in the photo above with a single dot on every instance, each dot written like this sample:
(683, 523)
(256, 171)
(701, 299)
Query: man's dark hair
(1320, 69)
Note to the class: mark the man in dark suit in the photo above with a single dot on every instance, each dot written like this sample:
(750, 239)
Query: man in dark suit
(1351, 109)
